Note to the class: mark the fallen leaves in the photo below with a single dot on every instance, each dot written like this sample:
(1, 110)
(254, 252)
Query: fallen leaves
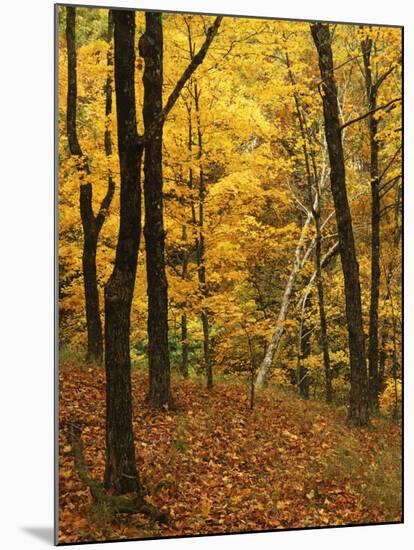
(217, 467)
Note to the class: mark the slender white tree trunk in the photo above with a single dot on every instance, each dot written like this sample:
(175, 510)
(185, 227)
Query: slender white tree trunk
(298, 264)
(284, 307)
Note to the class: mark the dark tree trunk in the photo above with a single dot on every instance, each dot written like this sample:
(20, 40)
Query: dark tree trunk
(382, 359)
(186, 254)
(108, 88)
(184, 345)
(151, 49)
(120, 469)
(322, 314)
(90, 241)
(201, 244)
(184, 329)
(371, 90)
(358, 407)
(91, 224)
(206, 349)
(304, 349)
(203, 280)
(74, 147)
(252, 379)
(253, 369)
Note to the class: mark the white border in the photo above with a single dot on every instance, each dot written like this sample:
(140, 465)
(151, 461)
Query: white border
(26, 274)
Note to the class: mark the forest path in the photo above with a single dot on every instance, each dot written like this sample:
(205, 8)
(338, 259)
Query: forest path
(217, 467)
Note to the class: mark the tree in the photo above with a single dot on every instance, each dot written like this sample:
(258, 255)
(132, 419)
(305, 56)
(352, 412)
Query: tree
(198, 221)
(303, 352)
(358, 406)
(151, 49)
(372, 87)
(121, 473)
(184, 324)
(314, 183)
(371, 91)
(300, 257)
(262, 168)
(91, 223)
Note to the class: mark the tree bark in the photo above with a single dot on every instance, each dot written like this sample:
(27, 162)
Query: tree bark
(151, 49)
(121, 473)
(371, 90)
(91, 224)
(358, 407)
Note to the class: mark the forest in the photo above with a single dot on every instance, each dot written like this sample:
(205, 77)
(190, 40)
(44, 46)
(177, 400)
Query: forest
(230, 274)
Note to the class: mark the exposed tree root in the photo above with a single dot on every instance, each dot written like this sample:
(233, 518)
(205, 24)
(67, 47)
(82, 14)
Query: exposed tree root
(116, 503)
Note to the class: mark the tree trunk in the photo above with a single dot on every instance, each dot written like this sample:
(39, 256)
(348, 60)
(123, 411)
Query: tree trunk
(322, 314)
(202, 282)
(271, 349)
(91, 224)
(304, 349)
(298, 263)
(358, 408)
(201, 244)
(184, 331)
(383, 356)
(121, 473)
(315, 206)
(184, 346)
(93, 318)
(371, 90)
(151, 49)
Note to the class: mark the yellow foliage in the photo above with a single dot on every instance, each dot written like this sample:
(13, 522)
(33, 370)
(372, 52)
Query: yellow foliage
(390, 399)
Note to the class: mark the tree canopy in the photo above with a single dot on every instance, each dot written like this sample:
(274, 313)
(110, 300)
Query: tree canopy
(270, 156)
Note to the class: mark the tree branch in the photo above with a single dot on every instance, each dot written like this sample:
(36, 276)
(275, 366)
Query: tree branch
(388, 185)
(331, 253)
(390, 163)
(105, 204)
(195, 62)
(380, 108)
(397, 205)
(384, 76)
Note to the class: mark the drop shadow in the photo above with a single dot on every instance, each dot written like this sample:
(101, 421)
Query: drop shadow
(44, 534)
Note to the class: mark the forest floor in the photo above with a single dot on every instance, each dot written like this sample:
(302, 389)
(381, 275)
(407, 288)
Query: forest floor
(217, 467)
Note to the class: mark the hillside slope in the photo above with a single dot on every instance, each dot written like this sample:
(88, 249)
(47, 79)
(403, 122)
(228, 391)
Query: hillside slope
(217, 467)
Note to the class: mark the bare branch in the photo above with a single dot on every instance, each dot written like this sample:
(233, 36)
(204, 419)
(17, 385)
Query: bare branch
(388, 185)
(105, 204)
(390, 163)
(365, 115)
(384, 76)
(195, 62)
